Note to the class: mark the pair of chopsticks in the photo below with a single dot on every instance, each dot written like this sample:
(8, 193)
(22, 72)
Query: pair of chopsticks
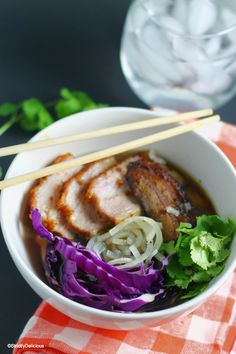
(115, 150)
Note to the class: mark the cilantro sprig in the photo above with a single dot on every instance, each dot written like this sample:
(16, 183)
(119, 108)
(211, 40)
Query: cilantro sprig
(199, 254)
(34, 115)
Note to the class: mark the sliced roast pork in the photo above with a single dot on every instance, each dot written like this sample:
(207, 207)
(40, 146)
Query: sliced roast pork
(78, 212)
(44, 196)
(161, 195)
(110, 194)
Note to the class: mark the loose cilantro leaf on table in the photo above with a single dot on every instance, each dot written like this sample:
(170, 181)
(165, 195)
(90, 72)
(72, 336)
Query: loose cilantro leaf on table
(199, 253)
(7, 108)
(34, 115)
(74, 101)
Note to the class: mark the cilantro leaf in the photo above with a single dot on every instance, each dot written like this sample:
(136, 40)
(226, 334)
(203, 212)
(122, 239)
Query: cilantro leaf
(66, 93)
(7, 108)
(168, 247)
(35, 116)
(184, 256)
(84, 99)
(194, 290)
(182, 283)
(208, 241)
(205, 249)
(184, 227)
(201, 276)
(215, 270)
(216, 225)
(74, 101)
(223, 255)
(31, 107)
(69, 104)
(175, 270)
(200, 253)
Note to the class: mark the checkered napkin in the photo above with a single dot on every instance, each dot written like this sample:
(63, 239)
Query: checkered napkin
(209, 329)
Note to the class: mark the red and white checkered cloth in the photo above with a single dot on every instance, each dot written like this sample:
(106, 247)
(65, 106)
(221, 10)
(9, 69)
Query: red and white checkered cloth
(211, 329)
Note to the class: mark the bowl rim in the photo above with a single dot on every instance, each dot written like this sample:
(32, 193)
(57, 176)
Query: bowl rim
(29, 274)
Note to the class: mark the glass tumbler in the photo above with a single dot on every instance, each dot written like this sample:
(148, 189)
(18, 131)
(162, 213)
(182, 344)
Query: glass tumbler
(181, 54)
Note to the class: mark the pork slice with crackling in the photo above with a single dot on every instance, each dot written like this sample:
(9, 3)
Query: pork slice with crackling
(44, 196)
(110, 194)
(78, 212)
(163, 198)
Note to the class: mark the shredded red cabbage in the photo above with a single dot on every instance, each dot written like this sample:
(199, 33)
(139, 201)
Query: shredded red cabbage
(80, 274)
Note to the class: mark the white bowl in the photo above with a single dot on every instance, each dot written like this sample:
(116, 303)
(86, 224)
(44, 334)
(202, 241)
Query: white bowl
(192, 152)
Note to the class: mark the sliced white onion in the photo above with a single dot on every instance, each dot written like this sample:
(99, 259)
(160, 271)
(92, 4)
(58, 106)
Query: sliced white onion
(133, 242)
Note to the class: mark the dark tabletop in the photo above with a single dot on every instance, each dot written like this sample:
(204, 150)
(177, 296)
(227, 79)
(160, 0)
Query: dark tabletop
(45, 45)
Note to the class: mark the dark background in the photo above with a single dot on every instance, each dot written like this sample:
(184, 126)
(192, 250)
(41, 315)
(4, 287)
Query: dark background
(45, 45)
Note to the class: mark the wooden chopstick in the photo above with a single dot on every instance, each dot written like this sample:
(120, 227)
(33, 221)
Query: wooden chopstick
(14, 149)
(115, 150)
